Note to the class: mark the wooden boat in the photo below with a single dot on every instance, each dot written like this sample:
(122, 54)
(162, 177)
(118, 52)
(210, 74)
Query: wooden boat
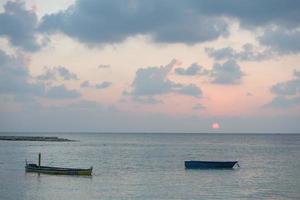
(210, 164)
(57, 170)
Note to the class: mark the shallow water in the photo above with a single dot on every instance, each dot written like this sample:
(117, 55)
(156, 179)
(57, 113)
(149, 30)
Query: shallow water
(151, 166)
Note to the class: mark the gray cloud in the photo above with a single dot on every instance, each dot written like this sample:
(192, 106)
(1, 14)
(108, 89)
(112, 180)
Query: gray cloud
(16, 80)
(57, 72)
(191, 29)
(18, 25)
(93, 21)
(153, 81)
(103, 66)
(100, 22)
(147, 100)
(297, 73)
(190, 90)
(49, 74)
(61, 92)
(85, 84)
(290, 87)
(282, 40)
(226, 73)
(287, 93)
(249, 94)
(222, 53)
(66, 74)
(103, 85)
(84, 105)
(193, 70)
(189, 22)
(247, 54)
(253, 13)
(283, 102)
(14, 77)
(198, 106)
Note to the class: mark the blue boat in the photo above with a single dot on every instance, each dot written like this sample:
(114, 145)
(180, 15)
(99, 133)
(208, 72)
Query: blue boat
(210, 164)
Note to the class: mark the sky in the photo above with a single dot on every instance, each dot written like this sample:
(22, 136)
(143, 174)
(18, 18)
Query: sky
(227, 66)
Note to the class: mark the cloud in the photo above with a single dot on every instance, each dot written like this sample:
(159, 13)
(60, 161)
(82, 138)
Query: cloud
(66, 74)
(191, 29)
(282, 40)
(152, 81)
(287, 93)
(247, 54)
(249, 94)
(252, 13)
(93, 21)
(198, 106)
(193, 21)
(84, 105)
(103, 66)
(290, 87)
(222, 53)
(61, 92)
(147, 100)
(49, 74)
(18, 25)
(193, 70)
(15, 78)
(226, 73)
(57, 72)
(103, 85)
(297, 74)
(283, 102)
(190, 90)
(85, 84)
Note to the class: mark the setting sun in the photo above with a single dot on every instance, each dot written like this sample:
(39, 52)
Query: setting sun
(215, 125)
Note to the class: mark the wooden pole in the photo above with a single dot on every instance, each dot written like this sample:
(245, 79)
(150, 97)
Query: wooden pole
(40, 159)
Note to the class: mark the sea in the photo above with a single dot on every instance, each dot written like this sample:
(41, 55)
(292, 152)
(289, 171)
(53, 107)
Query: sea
(151, 166)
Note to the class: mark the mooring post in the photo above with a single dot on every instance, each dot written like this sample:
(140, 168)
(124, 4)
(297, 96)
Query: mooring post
(40, 159)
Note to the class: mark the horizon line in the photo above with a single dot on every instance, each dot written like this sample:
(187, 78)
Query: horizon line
(147, 132)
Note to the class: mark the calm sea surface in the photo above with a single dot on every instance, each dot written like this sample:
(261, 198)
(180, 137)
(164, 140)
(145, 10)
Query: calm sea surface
(151, 166)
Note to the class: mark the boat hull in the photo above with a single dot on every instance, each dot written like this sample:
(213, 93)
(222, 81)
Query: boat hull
(209, 164)
(58, 170)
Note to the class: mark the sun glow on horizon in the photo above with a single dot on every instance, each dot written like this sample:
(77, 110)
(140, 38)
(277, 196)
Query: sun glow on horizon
(215, 125)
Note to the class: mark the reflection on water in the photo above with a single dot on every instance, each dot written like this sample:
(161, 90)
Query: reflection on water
(151, 166)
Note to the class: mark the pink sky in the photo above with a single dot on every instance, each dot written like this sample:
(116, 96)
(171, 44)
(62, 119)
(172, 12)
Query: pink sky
(237, 71)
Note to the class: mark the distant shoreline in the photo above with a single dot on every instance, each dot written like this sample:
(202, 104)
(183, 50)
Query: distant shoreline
(34, 138)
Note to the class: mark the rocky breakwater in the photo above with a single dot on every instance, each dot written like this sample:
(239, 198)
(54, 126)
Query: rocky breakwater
(35, 138)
